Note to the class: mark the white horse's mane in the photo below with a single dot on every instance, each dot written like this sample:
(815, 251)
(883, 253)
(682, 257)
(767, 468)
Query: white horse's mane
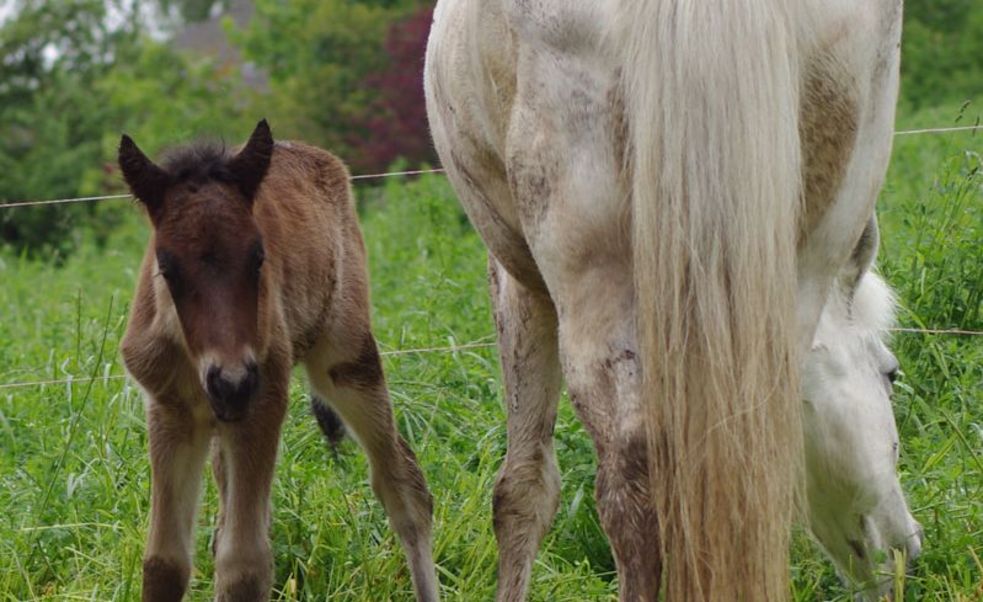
(874, 307)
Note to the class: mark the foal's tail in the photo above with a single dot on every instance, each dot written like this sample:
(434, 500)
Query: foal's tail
(711, 92)
(328, 421)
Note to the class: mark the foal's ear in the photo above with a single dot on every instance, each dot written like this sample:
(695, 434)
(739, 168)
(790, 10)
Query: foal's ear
(862, 257)
(147, 182)
(249, 166)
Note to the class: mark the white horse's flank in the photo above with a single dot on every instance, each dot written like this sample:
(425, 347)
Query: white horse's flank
(668, 190)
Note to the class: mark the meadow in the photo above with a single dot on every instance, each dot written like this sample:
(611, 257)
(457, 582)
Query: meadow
(74, 477)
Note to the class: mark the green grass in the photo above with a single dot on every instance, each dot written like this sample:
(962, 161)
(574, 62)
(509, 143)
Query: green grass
(74, 481)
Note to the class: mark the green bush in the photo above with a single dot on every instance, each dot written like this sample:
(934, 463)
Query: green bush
(942, 51)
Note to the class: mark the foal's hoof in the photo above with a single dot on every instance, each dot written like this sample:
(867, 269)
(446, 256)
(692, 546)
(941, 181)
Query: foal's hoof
(248, 589)
(163, 581)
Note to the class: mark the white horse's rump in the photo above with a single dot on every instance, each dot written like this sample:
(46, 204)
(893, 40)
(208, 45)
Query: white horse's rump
(635, 169)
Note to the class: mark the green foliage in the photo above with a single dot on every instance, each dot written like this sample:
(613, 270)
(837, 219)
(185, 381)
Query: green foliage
(50, 123)
(942, 51)
(317, 54)
(72, 85)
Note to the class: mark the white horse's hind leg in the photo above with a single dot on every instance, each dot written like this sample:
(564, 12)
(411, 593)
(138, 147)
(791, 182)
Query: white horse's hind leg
(528, 488)
(599, 355)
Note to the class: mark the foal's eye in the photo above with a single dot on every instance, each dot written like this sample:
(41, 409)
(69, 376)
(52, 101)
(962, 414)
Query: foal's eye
(168, 268)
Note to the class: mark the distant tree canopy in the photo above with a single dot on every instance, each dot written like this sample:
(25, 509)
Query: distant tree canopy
(330, 64)
(942, 51)
(343, 74)
(71, 81)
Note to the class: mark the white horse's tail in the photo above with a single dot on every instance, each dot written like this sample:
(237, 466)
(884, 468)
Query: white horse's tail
(711, 93)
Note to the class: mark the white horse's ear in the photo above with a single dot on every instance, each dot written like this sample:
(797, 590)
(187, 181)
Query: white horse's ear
(862, 257)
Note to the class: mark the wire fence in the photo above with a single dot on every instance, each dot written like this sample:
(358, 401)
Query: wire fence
(480, 344)
(425, 350)
(945, 130)
(418, 172)
(113, 197)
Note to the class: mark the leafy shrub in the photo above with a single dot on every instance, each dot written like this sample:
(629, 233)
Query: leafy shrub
(396, 120)
(941, 51)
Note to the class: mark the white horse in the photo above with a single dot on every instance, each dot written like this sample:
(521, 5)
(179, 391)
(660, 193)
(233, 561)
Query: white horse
(668, 191)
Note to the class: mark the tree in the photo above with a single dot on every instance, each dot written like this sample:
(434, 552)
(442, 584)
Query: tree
(319, 55)
(941, 48)
(397, 118)
(71, 80)
(50, 126)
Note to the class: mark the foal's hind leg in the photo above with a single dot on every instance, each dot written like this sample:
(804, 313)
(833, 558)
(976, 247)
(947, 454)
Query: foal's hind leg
(354, 385)
(528, 488)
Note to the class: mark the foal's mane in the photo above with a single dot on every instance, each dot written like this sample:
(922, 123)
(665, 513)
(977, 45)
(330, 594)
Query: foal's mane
(199, 162)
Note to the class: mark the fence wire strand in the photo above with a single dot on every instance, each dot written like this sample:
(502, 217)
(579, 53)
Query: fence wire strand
(108, 377)
(111, 197)
(963, 128)
(82, 199)
(426, 350)
(418, 172)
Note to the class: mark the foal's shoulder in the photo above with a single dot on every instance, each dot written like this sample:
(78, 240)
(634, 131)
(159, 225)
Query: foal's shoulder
(296, 163)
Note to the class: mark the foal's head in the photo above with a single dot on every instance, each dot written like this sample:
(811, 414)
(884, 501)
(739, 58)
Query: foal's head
(210, 256)
(856, 506)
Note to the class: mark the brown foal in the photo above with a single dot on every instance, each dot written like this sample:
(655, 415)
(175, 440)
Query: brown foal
(256, 262)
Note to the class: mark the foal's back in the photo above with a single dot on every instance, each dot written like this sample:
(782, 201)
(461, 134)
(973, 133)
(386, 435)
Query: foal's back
(306, 212)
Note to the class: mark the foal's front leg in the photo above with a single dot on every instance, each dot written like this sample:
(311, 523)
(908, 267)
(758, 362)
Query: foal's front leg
(178, 445)
(245, 461)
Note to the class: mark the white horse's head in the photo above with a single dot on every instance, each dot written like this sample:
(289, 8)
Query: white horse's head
(857, 510)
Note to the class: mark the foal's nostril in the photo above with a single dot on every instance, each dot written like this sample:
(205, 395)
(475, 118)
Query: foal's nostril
(233, 395)
(252, 376)
(218, 387)
(249, 384)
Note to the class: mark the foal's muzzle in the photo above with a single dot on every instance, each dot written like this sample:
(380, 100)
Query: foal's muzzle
(231, 393)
